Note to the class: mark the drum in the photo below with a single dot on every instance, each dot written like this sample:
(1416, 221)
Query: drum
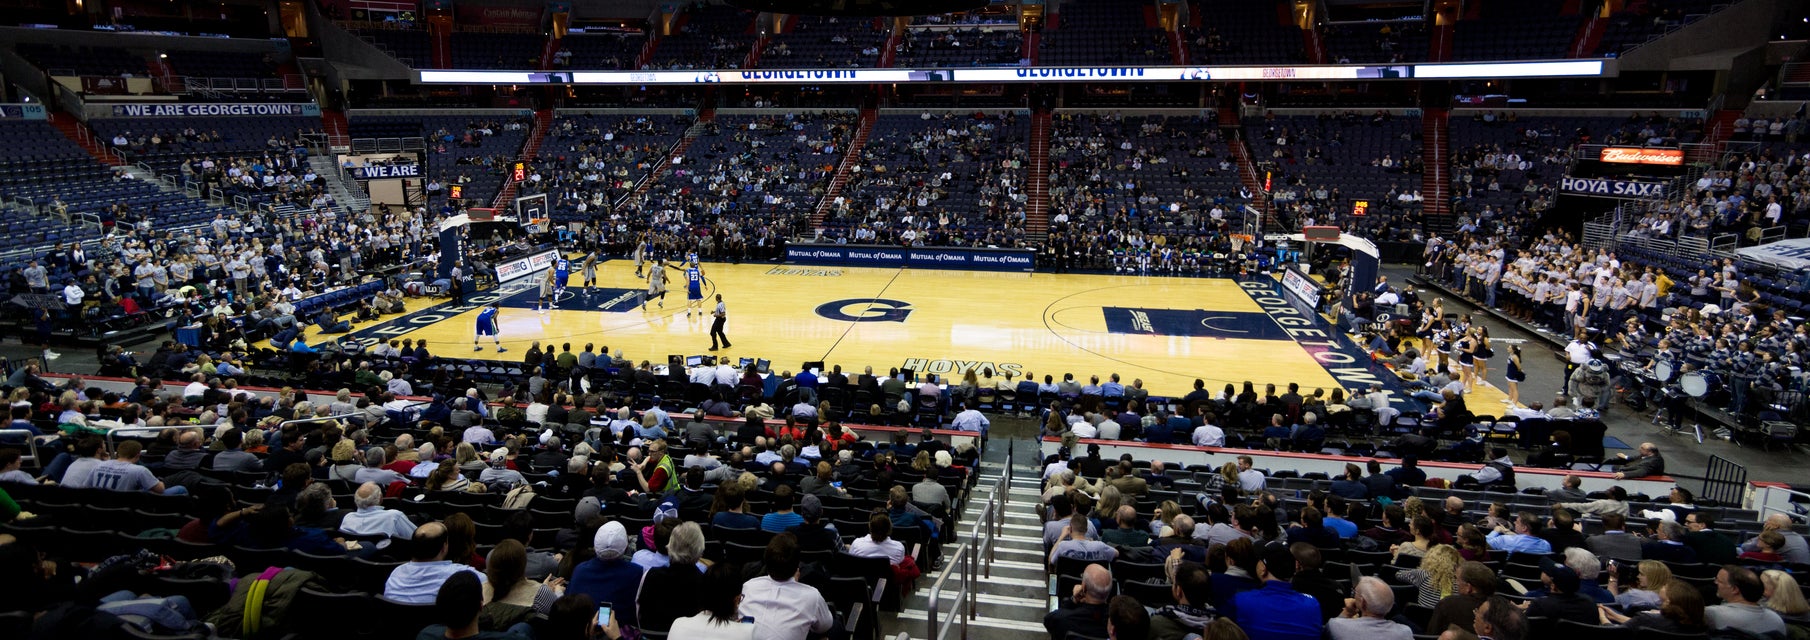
(1695, 384)
(1663, 371)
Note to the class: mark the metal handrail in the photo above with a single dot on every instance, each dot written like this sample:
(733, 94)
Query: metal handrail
(153, 431)
(1765, 509)
(30, 455)
(332, 417)
(967, 563)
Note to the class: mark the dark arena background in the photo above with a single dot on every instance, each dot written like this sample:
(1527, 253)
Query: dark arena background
(864, 319)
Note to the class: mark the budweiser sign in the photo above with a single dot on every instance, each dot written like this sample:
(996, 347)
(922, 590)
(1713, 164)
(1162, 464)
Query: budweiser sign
(1631, 155)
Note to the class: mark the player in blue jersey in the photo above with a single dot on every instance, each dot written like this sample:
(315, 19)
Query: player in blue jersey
(694, 289)
(487, 326)
(562, 273)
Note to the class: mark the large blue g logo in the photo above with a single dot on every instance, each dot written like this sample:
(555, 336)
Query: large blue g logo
(875, 310)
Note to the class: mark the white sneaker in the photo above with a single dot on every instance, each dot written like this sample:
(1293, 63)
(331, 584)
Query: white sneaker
(51, 355)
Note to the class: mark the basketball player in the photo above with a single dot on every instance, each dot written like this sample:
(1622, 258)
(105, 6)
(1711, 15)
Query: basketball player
(694, 288)
(716, 326)
(546, 294)
(643, 247)
(590, 271)
(487, 326)
(656, 285)
(562, 273)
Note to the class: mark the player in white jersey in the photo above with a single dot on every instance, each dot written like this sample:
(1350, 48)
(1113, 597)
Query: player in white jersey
(656, 285)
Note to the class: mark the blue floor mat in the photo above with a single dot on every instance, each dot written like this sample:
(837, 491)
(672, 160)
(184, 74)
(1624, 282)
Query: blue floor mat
(1612, 442)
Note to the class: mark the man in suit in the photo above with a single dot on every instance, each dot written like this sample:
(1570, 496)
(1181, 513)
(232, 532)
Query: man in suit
(1648, 463)
(1129, 483)
(1711, 545)
(1615, 541)
(1669, 547)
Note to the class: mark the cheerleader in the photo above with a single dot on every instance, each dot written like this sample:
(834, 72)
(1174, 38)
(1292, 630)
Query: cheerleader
(1465, 347)
(1442, 343)
(1515, 375)
(1483, 352)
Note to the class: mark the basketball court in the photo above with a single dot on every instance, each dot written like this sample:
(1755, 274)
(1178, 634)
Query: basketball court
(1167, 331)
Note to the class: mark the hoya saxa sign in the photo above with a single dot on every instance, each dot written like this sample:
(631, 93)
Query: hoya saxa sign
(1606, 188)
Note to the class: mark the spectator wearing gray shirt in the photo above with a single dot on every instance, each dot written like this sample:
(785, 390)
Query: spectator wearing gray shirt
(231, 457)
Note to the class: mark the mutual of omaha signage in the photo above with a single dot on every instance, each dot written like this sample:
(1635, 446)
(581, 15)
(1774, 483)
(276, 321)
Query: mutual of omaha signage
(1635, 155)
(1603, 188)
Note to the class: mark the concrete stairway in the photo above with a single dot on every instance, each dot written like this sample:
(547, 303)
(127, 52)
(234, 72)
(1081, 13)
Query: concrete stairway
(543, 122)
(78, 132)
(1037, 179)
(1013, 590)
(349, 196)
(846, 169)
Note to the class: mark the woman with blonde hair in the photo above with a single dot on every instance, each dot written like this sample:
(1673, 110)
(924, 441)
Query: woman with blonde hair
(1107, 509)
(1654, 576)
(1165, 517)
(465, 458)
(1212, 484)
(1784, 597)
(1436, 575)
(1680, 612)
(921, 464)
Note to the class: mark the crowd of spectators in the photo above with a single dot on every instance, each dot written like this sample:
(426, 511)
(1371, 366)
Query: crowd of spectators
(625, 511)
(1243, 552)
(950, 180)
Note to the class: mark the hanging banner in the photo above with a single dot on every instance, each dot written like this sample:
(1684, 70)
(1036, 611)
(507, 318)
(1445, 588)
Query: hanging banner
(1605, 188)
(185, 110)
(380, 172)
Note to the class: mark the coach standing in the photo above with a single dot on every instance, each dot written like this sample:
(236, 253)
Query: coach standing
(716, 327)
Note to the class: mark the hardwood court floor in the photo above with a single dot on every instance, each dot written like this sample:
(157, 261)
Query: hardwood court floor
(1166, 331)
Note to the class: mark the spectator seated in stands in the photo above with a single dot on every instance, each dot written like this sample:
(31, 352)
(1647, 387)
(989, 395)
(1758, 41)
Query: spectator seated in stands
(1366, 614)
(719, 602)
(457, 602)
(372, 518)
(1498, 617)
(1277, 610)
(1312, 529)
(1740, 590)
(1712, 546)
(1524, 538)
(782, 607)
(1475, 585)
(1350, 485)
(1076, 543)
(1615, 542)
(1084, 612)
(1791, 543)
(610, 576)
(1562, 599)
(417, 580)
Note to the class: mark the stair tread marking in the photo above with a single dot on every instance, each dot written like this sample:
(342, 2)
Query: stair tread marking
(980, 621)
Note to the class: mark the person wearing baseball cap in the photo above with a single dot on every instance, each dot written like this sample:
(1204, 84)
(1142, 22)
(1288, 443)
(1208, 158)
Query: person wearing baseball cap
(1276, 610)
(610, 578)
(1562, 600)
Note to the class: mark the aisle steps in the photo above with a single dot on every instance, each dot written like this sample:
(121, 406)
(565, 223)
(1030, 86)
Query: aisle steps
(1014, 599)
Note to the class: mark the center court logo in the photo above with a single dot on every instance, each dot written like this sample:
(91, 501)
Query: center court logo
(871, 310)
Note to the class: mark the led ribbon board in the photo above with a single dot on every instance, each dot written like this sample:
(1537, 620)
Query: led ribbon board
(995, 75)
